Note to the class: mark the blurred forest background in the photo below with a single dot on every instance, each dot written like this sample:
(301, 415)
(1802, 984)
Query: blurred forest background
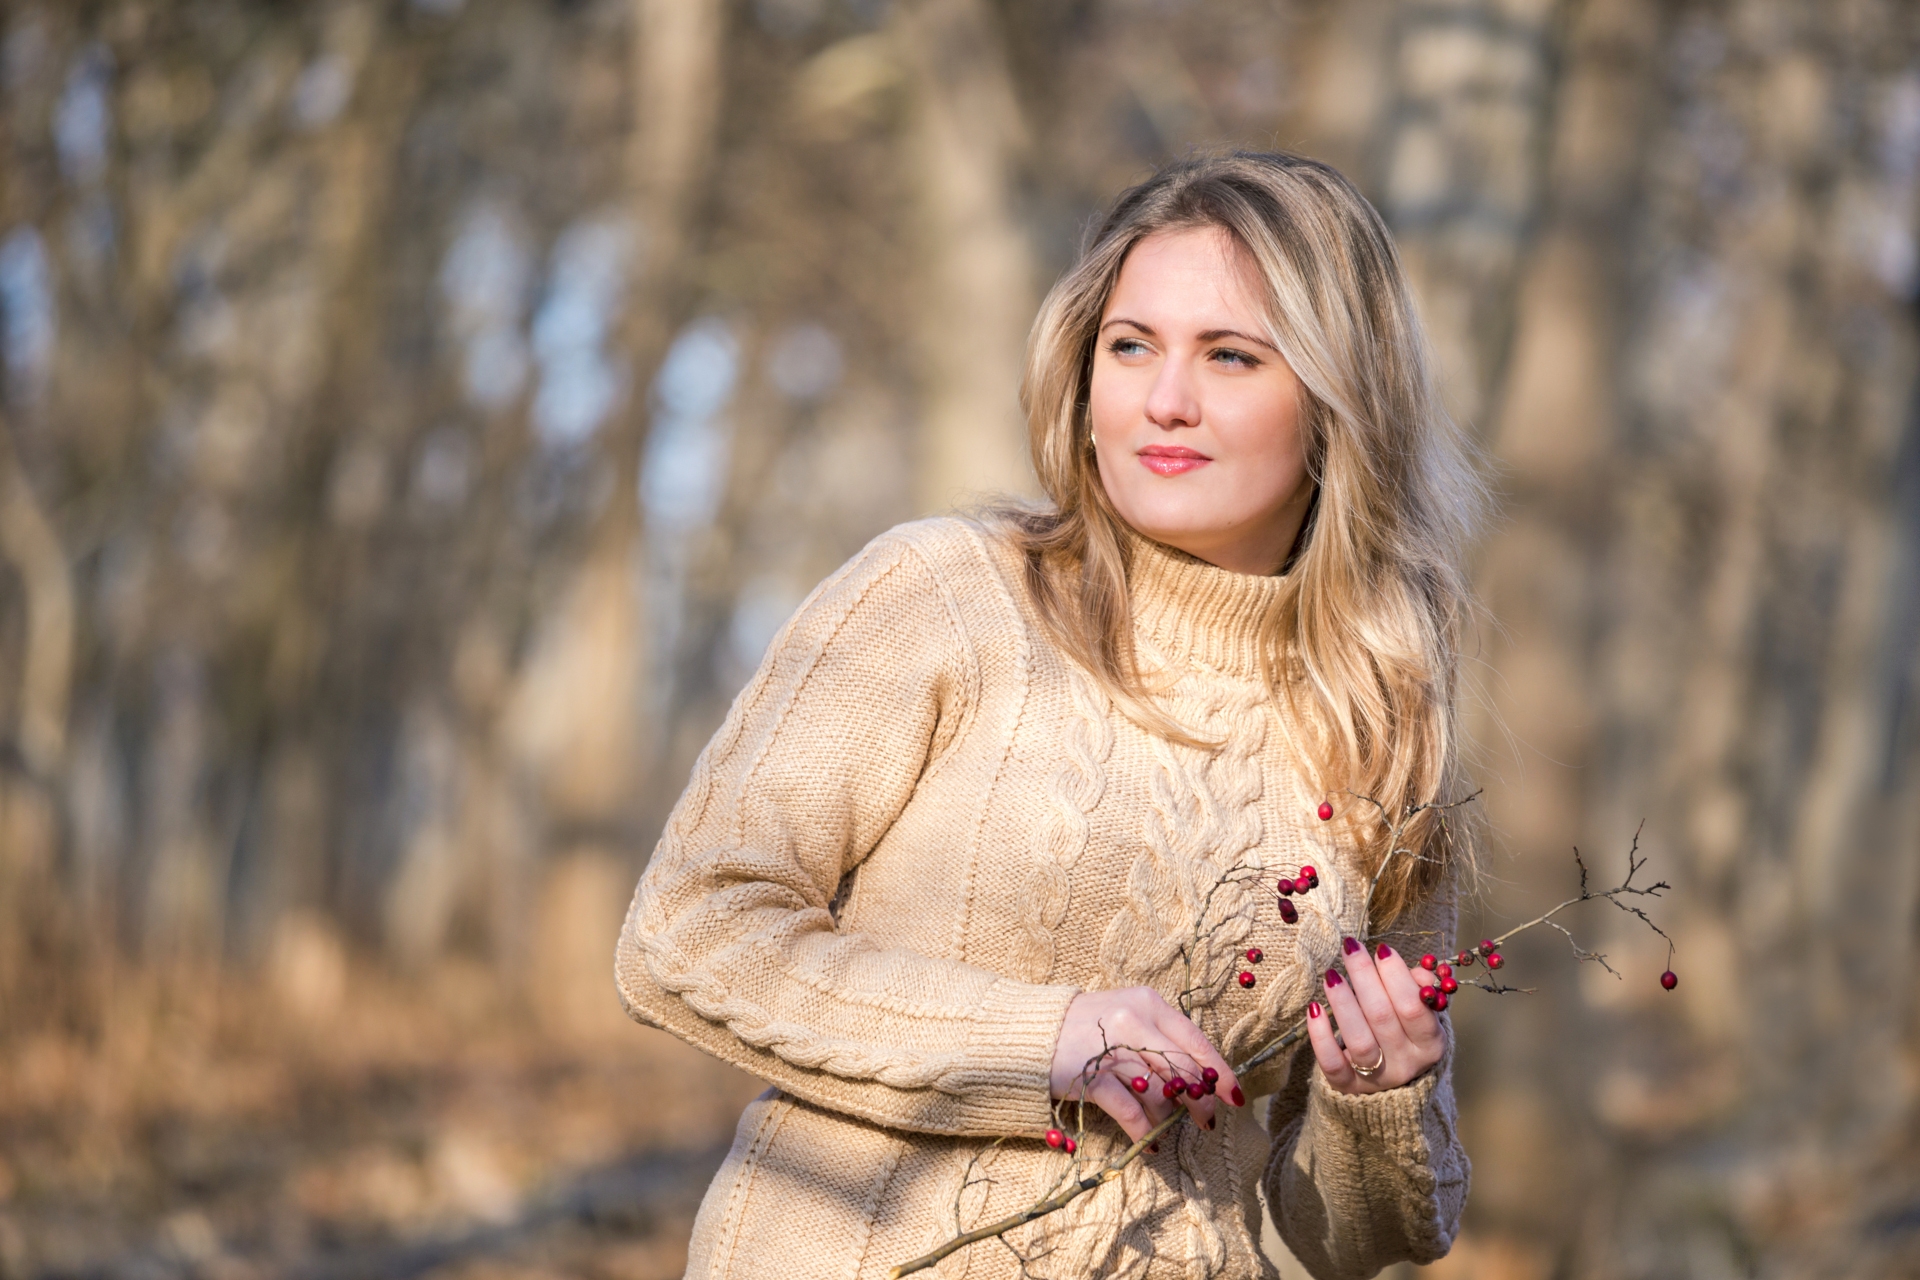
(419, 414)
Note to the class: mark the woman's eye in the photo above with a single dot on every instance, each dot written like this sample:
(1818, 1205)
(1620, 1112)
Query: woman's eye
(1237, 359)
(1127, 347)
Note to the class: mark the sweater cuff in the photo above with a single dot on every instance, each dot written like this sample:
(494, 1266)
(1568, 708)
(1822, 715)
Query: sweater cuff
(1393, 1117)
(1008, 1085)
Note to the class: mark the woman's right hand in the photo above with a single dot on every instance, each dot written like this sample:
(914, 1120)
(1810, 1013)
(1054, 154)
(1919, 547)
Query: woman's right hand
(1149, 1039)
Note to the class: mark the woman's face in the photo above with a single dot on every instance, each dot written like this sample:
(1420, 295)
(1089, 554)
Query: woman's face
(1196, 419)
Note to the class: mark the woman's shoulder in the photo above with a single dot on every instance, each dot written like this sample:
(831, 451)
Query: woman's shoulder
(944, 579)
(969, 558)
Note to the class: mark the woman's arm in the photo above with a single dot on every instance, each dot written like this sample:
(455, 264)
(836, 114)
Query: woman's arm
(729, 943)
(1359, 1181)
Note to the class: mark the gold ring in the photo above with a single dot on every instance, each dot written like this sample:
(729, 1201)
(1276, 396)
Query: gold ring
(1368, 1072)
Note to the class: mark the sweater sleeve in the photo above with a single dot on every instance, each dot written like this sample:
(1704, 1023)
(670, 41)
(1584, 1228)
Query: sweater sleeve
(731, 944)
(1357, 1182)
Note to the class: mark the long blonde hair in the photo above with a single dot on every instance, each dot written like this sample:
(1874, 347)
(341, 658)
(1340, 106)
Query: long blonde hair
(1362, 650)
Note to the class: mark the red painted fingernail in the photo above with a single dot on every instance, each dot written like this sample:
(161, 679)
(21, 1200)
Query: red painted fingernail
(1209, 1122)
(1351, 944)
(1313, 1008)
(1333, 979)
(1154, 1145)
(1239, 1098)
(1384, 951)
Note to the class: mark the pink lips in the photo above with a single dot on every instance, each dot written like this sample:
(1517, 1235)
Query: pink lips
(1172, 460)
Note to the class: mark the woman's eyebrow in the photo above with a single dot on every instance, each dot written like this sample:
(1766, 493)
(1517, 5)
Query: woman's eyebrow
(1214, 335)
(1211, 335)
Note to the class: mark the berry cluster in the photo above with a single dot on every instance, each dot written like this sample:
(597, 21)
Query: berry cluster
(1434, 995)
(1306, 881)
(1486, 948)
(1208, 1082)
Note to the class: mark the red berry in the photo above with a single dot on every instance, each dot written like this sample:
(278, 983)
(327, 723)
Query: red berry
(1427, 996)
(1495, 960)
(1072, 1146)
(1055, 1138)
(1287, 887)
(1440, 1003)
(1464, 959)
(1326, 810)
(1139, 1084)
(1669, 979)
(1196, 1090)
(1178, 1085)
(1246, 978)
(1486, 946)
(1255, 955)
(1308, 876)
(1287, 911)
(1427, 963)
(1445, 970)
(1208, 1075)
(1449, 985)
(1168, 1090)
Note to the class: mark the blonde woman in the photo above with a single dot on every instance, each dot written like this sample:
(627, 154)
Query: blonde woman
(955, 837)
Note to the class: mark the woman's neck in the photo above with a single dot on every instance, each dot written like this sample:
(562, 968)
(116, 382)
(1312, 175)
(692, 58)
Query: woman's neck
(1198, 613)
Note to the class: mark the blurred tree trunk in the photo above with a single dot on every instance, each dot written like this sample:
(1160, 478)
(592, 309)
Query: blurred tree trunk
(596, 654)
(973, 306)
(31, 900)
(1546, 589)
(1460, 154)
(590, 679)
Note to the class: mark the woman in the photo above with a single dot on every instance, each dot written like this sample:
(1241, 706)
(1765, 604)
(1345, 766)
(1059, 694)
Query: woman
(993, 800)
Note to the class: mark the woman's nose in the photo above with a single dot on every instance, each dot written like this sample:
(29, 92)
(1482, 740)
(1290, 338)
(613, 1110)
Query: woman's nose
(1171, 401)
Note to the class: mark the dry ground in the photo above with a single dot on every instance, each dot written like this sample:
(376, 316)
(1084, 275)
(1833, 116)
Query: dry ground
(335, 1121)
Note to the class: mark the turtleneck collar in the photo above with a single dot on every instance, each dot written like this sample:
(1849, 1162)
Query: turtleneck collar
(1195, 612)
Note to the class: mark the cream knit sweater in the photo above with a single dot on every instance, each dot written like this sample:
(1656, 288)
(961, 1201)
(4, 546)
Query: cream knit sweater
(920, 832)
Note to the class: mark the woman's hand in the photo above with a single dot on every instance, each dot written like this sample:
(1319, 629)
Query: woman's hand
(1381, 1019)
(1150, 1040)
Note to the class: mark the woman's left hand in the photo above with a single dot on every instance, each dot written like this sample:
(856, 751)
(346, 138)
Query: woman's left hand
(1381, 1019)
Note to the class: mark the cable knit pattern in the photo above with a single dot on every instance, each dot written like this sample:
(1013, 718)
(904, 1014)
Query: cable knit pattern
(993, 837)
(1072, 792)
(1201, 825)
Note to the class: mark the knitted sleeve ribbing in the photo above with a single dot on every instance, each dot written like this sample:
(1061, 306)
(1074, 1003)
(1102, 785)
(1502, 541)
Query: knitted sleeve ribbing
(1357, 1182)
(730, 944)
